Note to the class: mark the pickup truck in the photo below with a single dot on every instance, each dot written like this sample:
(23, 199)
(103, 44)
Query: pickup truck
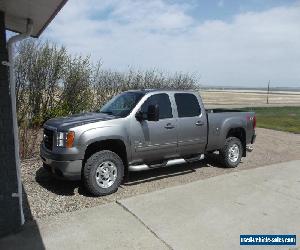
(139, 130)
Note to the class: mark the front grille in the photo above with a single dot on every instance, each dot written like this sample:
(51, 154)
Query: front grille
(48, 138)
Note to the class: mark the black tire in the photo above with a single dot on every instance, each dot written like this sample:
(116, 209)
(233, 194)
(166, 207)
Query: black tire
(90, 172)
(227, 160)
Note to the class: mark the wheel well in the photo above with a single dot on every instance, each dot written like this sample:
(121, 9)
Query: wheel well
(238, 133)
(114, 145)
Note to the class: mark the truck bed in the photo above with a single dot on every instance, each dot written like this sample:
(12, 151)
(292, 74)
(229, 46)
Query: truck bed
(221, 120)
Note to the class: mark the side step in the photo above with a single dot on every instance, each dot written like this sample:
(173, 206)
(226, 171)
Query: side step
(136, 168)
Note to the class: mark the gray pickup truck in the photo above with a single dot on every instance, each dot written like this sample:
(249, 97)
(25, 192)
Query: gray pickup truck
(139, 130)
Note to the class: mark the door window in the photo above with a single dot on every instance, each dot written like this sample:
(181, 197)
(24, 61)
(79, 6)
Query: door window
(187, 105)
(163, 102)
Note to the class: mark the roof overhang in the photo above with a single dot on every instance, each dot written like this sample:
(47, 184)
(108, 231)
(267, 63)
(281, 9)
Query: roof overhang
(41, 12)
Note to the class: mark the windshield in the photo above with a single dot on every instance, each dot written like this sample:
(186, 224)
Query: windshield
(122, 104)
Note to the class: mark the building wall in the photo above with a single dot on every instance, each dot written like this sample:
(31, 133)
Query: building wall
(10, 220)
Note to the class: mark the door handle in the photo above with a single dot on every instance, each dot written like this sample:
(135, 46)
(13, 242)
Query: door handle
(169, 126)
(199, 123)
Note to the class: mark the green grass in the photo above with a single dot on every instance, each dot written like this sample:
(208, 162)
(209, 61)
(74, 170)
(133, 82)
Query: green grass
(278, 118)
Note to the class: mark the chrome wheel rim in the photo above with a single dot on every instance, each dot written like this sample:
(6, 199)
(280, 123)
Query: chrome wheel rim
(233, 153)
(106, 174)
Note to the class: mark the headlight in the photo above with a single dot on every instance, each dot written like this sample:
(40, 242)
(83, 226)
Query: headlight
(65, 139)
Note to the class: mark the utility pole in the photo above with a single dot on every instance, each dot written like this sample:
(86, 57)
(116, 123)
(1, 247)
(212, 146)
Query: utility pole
(268, 92)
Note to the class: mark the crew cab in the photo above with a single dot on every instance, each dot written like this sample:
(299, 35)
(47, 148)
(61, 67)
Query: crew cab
(139, 130)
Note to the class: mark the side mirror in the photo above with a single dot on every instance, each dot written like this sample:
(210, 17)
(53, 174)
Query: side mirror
(139, 116)
(153, 113)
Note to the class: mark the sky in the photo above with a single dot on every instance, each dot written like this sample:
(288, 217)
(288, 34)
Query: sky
(242, 43)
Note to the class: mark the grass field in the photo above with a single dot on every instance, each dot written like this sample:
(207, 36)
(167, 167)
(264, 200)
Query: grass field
(278, 118)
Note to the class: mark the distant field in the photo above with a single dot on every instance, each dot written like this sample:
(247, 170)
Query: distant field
(236, 98)
(278, 118)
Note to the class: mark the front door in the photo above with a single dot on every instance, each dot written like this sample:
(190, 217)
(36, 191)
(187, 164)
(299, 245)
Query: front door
(153, 141)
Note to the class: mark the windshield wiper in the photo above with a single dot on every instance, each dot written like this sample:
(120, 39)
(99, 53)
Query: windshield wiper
(107, 112)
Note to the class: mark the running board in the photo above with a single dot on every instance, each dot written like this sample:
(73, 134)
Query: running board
(142, 167)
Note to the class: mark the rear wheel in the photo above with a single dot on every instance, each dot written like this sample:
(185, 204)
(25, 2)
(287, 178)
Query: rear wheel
(232, 152)
(103, 173)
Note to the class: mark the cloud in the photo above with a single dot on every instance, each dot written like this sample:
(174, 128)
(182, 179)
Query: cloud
(220, 3)
(251, 49)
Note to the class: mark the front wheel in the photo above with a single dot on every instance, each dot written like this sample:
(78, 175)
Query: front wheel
(232, 152)
(103, 173)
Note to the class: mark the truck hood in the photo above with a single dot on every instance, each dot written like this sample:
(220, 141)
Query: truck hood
(64, 123)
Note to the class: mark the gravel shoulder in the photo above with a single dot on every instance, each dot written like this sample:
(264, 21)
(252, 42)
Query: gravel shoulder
(45, 196)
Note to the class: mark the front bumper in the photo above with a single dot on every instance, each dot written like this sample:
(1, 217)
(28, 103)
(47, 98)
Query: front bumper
(66, 169)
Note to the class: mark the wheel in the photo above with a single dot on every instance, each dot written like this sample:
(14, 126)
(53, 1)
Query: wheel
(103, 173)
(232, 152)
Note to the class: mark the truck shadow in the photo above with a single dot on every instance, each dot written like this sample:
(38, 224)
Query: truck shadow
(67, 188)
(54, 185)
(136, 178)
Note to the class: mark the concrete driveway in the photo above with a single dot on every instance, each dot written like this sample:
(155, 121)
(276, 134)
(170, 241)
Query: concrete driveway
(211, 214)
(206, 214)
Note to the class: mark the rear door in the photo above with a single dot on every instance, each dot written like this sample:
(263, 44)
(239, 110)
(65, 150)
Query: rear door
(155, 140)
(191, 124)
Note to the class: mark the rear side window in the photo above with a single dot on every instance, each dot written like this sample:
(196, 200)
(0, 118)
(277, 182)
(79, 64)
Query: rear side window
(163, 102)
(187, 105)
